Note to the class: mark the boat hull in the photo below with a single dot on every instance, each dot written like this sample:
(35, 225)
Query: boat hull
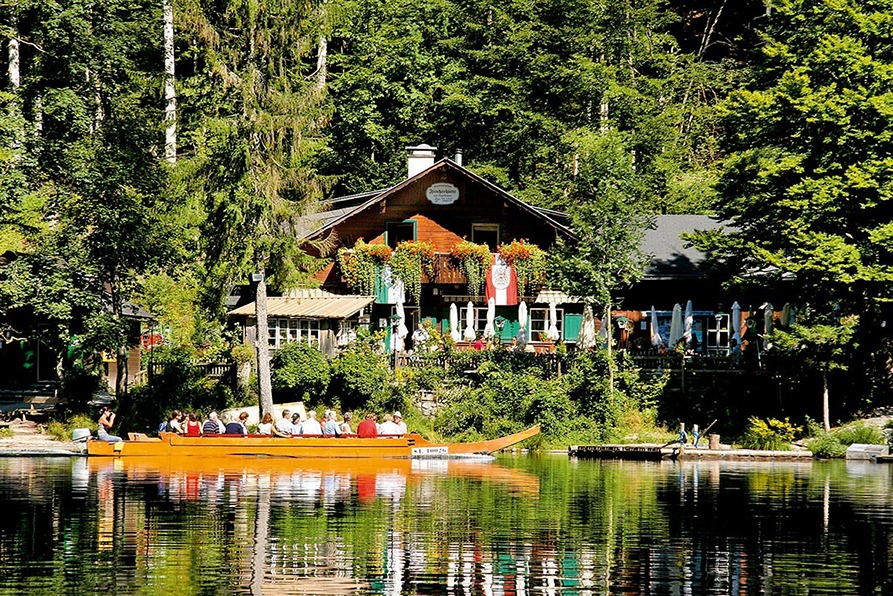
(408, 446)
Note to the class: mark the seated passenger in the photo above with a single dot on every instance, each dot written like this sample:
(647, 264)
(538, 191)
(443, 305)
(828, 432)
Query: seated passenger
(106, 421)
(345, 425)
(311, 426)
(193, 427)
(284, 426)
(173, 424)
(212, 425)
(400, 424)
(266, 425)
(388, 427)
(330, 427)
(367, 428)
(238, 427)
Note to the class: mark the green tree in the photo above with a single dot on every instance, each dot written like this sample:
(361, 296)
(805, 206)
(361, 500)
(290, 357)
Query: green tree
(608, 221)
(300, 369)
(820, 347)
(253, 147)
(87, 85)
(806, 188)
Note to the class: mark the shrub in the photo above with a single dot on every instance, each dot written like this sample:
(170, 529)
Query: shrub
(835, 443)
(242, 353)
(357, 375)
(827, 445)
(299, 368)
(859, 432)
(770, 434)
(61, 429)
(179, 385)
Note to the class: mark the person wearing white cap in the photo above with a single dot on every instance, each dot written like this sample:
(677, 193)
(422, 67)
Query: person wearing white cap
(400, 424)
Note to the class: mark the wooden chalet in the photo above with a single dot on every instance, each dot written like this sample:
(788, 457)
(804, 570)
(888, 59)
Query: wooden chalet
(442, 203)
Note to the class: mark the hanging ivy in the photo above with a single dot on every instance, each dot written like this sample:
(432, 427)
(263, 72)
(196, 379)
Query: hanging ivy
(360, 265)
(412, 260)
(474, 260)
(528, 261)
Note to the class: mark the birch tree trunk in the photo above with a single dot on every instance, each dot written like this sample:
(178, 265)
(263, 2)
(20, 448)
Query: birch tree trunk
(263, 347)
(15, 81)
(322, 63)
(12, 70)
(170, 94)
(826, 408)
(610, 354)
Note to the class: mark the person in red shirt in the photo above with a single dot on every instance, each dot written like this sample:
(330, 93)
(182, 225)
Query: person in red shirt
(193, 426)
(367, 428)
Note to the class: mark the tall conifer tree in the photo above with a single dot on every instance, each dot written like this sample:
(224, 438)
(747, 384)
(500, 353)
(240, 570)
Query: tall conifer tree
(254, 146)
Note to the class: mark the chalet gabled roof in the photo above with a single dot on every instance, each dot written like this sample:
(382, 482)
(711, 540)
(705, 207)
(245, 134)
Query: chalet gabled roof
(330, 219)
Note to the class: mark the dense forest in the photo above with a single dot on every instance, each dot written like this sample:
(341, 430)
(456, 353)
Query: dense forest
(157, 152)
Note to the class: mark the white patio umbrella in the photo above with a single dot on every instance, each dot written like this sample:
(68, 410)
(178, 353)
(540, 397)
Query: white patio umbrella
(469, 333)
(586, 338)
(455, 332)
(522, 324)
(552, 332)
(689, 320)
(490, 327)
(399, 335)
(787, 315)
(768, 312)
(736, 326)
(604, 332)
(656, 341)
(676, 330)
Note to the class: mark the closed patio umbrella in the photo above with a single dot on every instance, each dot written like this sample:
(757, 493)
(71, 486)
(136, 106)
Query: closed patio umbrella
(676, 329)
(688, 320)
(522, 324)
(768, 313)
(552, 332)
(787, 315)
(736, 326)
(586, 339)
(400, 333)
(490, 327)
(455, 332)
(656, 341)
(469, 333)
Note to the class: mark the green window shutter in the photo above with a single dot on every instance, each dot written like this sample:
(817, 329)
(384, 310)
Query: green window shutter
(572, 324)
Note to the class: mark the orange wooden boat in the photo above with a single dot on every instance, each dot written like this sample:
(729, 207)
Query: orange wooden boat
(407, 446)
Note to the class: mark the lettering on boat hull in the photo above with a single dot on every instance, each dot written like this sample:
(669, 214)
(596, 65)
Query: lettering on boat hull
(429, 451)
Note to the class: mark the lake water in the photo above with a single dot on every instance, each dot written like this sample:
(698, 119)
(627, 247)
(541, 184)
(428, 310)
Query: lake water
(520, 525)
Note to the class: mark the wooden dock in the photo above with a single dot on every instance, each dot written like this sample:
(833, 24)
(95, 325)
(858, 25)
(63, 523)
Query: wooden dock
(688, 452)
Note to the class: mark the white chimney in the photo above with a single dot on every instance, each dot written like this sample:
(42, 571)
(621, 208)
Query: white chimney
(420, 159)
(458, 158)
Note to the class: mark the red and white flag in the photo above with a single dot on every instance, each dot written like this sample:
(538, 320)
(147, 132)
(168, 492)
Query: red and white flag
(502, 283)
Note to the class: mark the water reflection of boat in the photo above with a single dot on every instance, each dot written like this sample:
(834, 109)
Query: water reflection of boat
(326, 479)
(407, 446)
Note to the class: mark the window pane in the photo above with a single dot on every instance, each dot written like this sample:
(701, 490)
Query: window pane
(398, 232)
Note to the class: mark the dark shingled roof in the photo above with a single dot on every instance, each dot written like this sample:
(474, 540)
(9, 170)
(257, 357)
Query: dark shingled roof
(670, 259)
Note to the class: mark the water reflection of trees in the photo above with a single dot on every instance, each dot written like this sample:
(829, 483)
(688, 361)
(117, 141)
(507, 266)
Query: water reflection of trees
(554, 525)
